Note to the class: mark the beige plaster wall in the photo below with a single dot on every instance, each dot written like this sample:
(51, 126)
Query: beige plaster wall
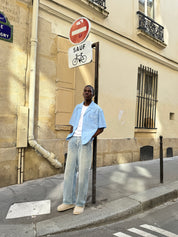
(13, 62)
(118, 64)
(121, 53)
(127, 20)
(118, 81)
(167, 103)
(45, 103)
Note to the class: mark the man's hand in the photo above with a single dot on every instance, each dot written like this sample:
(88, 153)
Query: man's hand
(71, 129)
(99, 131)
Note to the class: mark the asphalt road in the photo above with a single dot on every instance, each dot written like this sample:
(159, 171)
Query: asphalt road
(160, 221)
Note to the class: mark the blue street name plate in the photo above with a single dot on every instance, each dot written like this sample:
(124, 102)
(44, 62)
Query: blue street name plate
(6, 30)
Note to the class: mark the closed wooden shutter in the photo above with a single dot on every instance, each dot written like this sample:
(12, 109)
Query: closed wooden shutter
(69, 84)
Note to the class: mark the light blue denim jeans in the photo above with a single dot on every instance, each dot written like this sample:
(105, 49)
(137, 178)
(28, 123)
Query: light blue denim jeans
(79, 159)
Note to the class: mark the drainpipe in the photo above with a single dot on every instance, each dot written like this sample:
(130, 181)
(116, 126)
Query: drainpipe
(31, 140)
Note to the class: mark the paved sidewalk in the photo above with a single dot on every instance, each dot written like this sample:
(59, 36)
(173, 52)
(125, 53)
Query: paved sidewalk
(122, 190)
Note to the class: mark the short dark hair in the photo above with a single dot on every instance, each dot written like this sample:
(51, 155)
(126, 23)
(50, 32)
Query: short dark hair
(91, 87)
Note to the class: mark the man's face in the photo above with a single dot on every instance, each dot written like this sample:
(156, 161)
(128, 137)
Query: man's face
(87, 93)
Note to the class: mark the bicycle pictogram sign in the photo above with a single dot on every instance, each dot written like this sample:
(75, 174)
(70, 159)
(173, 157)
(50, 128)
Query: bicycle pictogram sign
(80, 54)
(79, 58)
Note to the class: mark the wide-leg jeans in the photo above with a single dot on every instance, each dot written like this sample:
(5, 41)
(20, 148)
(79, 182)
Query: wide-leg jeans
(79, 158)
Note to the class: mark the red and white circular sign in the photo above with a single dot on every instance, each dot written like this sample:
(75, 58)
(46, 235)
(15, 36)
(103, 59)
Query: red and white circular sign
(79, 30)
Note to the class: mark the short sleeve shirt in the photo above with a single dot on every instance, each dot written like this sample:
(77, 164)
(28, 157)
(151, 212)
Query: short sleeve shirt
(92, 120)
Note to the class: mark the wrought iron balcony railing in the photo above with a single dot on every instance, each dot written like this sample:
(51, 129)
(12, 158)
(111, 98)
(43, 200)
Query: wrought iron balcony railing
(150, 27)
(101, 3)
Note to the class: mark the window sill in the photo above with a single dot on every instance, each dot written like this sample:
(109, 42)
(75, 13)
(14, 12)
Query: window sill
(145, 130)
(96, 7)
(155, 41)
(145, 133)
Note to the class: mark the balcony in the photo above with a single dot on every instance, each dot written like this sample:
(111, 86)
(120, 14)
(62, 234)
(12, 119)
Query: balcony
(100, 3)
(98, 6)
(151, 28)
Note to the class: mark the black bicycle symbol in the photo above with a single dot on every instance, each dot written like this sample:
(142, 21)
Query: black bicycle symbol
(79, 58)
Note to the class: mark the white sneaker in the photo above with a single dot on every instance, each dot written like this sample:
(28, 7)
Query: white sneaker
(65, 207)
(78, 210)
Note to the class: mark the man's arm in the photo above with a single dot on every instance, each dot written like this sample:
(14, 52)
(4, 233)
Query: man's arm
(71, 129)
(99, 131)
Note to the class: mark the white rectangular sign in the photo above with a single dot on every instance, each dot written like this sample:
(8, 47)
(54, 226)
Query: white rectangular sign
(80, 54)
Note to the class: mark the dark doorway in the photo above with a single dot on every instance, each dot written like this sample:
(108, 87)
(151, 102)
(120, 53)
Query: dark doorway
(146, 153)
(169, 152)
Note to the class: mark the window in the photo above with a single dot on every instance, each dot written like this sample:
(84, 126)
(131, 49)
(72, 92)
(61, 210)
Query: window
(147, 26)
(172, 116)
(147, 7)
(146, 97)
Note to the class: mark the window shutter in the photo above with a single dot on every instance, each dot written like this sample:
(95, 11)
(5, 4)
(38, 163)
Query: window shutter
(65, 85)
(69, 84)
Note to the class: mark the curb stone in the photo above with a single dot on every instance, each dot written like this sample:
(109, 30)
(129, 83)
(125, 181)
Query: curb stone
(115, 210)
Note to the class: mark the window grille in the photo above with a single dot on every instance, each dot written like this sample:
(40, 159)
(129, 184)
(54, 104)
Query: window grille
(150, 27)
(146, 98)
(101, 3)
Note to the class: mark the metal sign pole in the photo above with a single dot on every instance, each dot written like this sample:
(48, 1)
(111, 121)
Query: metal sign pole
(96, 46)
(161, 159)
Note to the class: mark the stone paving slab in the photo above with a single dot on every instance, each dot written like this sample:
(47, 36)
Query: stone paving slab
(17, 230)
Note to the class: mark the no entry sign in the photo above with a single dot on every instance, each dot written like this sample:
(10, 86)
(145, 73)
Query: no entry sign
(79, 30)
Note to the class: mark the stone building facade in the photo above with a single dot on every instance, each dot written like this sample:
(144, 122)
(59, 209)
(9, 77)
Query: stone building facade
(138, 77)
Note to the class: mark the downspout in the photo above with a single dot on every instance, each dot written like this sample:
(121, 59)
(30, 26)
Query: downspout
(33, 52)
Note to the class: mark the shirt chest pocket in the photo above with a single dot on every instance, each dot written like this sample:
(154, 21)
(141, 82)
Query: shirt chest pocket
(93, 118)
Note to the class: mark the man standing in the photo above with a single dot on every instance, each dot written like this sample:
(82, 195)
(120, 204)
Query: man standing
(87, 122)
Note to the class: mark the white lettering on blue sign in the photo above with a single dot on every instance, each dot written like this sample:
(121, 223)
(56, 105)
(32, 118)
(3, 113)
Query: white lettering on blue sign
(4, 35)
(6, 30)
